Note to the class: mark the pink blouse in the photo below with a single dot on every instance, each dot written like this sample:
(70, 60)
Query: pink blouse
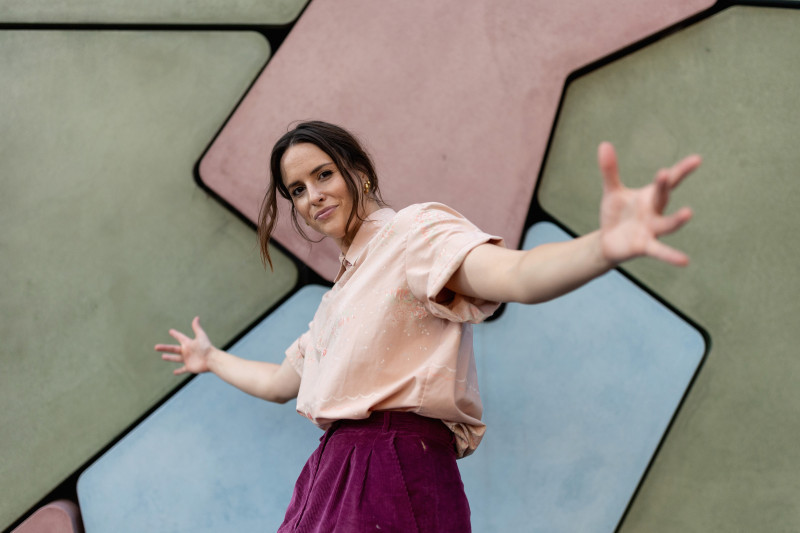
(388, 336)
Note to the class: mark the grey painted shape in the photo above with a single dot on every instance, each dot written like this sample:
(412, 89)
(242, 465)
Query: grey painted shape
(577, 393)
(725, 88)
(211, 458)
(255, 12)
(106, 240)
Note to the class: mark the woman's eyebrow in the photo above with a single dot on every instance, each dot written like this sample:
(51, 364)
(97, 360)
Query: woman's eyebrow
(318, 167)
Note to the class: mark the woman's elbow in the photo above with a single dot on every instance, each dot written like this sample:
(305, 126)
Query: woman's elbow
(278, 397)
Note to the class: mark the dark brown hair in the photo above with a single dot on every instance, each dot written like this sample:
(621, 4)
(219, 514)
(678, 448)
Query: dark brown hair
(350, 159)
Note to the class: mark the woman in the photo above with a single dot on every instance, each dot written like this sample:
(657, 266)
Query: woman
(387, 367)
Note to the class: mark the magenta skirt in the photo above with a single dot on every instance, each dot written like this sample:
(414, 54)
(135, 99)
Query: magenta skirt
(391, 472)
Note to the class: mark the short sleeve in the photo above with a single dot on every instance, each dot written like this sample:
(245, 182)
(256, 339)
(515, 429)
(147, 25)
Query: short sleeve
(296, 352)
(438, 240)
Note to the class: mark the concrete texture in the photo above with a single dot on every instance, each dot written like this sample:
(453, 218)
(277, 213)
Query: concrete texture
(727, 89)
(261, 12)
(211, 458)
(455, 99)
(578, 393)
(107, 241)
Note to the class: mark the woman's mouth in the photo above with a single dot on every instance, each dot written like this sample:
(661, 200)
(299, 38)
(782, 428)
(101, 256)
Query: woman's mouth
(324, 213)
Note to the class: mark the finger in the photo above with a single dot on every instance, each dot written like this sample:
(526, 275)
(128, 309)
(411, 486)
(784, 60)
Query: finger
(179, 371)
(661, 196)
(178, 336)
(198, 331)
(173, 358)
(662, 252)
(170, 348)
(672, 223)
(607, 161)
(683, 168)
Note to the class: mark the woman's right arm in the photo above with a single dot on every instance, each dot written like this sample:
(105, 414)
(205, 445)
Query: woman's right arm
(269, 381)
(631, 223)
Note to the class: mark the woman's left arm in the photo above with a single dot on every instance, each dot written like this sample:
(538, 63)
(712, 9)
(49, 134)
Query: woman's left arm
(631, 221)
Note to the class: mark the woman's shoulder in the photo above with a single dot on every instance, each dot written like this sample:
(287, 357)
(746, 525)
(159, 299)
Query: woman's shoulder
(430, 221)
(427, 210)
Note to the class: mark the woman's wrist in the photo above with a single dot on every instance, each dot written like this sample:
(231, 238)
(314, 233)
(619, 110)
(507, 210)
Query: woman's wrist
(215, 360)
(598, 254)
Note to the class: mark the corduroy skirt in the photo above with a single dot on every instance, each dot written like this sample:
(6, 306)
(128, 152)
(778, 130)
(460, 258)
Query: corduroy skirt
(390, 472)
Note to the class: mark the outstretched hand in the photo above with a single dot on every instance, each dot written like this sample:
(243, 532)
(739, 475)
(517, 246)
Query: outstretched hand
(193, 353)
(632, 220)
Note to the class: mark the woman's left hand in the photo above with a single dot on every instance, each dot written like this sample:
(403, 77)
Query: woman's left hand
(632, 220)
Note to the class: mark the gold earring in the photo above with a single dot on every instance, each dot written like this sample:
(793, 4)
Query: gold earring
(367, 187)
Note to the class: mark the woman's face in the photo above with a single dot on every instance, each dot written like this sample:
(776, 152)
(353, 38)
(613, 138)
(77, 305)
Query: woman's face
(318, 190)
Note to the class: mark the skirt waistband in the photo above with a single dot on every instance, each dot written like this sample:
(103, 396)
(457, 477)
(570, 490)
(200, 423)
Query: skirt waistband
(399, 421)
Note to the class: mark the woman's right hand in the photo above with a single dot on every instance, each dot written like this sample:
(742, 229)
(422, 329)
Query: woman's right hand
(193, 353)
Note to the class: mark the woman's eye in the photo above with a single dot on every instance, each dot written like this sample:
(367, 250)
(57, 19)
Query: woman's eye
(297, 191)
(325, 174)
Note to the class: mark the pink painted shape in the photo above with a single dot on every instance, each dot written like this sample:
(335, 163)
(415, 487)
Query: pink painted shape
(60, 516)
(454, 99)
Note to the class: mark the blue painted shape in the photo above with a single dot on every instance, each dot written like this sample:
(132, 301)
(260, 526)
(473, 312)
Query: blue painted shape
(578, 393)
(211, 458)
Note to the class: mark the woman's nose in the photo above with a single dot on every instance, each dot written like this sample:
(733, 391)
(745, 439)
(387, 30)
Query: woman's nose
(316, 194)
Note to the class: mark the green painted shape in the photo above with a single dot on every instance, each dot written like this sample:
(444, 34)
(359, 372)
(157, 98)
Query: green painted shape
(106, 239)
(257, 12)
(725, 88)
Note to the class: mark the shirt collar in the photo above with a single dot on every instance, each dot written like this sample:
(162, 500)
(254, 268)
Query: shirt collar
(369, 228)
